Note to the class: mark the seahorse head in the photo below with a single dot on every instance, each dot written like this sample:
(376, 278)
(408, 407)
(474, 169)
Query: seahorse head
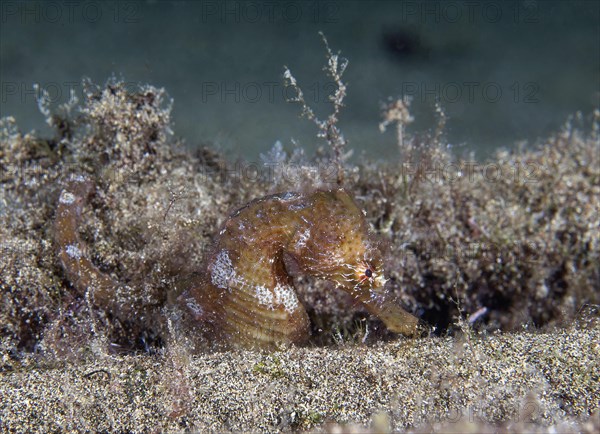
(337, 246)
(341, 249)
(357, 265)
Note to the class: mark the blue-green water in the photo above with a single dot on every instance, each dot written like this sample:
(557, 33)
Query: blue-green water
(503, 71)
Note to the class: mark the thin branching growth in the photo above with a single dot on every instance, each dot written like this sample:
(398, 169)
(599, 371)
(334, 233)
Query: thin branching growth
(441, 124)
(397, 112)
(328, 128)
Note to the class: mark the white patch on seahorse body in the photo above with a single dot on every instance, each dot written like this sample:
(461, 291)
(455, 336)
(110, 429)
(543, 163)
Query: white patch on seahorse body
(196, 308)
(224, 276)
(73, 251)
(222, 271)
(297, 206)
(264, 296)
(303, 238)
(281, 295)
(286, 296)
(66, 197)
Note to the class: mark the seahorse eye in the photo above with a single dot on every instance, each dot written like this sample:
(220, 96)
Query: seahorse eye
(368, 272)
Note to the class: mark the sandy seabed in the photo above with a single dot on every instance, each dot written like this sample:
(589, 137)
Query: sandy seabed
(525, 382)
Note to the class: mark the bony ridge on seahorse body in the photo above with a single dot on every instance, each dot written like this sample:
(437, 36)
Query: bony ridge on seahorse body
(246, 290)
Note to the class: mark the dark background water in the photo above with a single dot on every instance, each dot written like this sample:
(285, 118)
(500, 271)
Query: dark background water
(503, 71)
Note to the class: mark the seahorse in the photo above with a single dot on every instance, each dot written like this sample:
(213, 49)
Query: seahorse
(245, 292)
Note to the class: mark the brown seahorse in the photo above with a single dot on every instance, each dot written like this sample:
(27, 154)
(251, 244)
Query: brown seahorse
(246, 292)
